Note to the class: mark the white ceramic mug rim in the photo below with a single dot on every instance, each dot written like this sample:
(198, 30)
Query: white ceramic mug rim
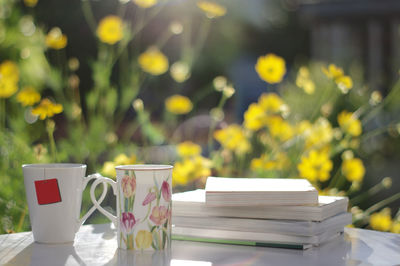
(144, 167)
(55, 165)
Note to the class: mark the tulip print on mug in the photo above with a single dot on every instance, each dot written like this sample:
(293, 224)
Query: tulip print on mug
(54, 196)
(143, 206)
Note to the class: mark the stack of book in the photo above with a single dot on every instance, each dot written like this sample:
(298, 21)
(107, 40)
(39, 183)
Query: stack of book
(257, 211)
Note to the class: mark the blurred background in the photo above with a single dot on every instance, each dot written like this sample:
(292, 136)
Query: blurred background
(114, 92)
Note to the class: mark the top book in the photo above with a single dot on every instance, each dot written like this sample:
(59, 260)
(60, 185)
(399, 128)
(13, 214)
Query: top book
(223, 191)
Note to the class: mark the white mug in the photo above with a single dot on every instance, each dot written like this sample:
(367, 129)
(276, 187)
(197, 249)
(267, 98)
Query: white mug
(54, 196)
(144, 205)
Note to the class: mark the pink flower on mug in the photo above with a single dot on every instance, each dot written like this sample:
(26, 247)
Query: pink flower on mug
(159, 215)
(149, 198)
(166, 191)
(128, 184)
(128, 221)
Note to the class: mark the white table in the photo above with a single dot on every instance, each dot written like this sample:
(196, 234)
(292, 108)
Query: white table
(97, 245)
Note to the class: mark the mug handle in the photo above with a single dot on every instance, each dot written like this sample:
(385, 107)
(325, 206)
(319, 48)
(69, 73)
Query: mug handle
(96, 203)
(93, 208)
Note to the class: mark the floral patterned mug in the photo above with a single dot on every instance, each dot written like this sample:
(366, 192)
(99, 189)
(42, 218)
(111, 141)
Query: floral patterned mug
(144, 204)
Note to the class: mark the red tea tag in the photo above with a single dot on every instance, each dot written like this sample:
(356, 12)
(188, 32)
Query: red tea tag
(47, 191)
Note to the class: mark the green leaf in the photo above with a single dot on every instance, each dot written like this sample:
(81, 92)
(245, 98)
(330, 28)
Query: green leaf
(91, 100)
(101, 75)
(154, 135)
(111, 101)
(164, 239)
(55, 80)
(128, 94)
(156, 240)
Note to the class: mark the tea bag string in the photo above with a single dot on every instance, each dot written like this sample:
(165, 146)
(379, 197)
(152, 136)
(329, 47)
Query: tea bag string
(44, 173)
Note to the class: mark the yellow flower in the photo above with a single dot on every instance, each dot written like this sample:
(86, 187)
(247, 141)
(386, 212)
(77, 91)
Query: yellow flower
(211, 9)
(55, 39)
(46, 109)
(30, 3)
(257, 116)
(271, 102)
(110, 29)
(333, 71)
(345, 83)
(304, 127)
(182, 172)
(153, 61)
(143, 239)
(9, 76)
(178, 104)
(122, 159)
(349, 123)
(28, 96)
(190, 169)
(264, 162)
(271, 68)
(145, 3)
(180, 71)
(254, 117)
(188, 149)
(233, 138)
(320, 134)
(353, 169)
(381, 221)
(395, 227)
(304, 81)
(316, 166)
(9, 70)
(279, 128)
(109, 169)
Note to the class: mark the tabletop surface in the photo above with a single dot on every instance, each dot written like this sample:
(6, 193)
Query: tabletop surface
(97, 245)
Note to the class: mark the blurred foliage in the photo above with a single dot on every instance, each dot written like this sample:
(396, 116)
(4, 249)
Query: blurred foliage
(315, 122)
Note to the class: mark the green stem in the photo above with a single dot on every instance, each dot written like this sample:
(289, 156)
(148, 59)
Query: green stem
(241, 164)
(50, 131)
(213, 123)
(375, 132)
(22, 219)
(341, 181)
(334, 180)
(203, 92)
(147, 214)
(159, 239)
(2, 114)
(164, 39)
(360, 111)
(382, 203)
(386, 100)
(121, 9)
(186, 36)
(121, 114)
(370, 192)
(139, 27)
(321, 100)
(205, 28)
(88, 14)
